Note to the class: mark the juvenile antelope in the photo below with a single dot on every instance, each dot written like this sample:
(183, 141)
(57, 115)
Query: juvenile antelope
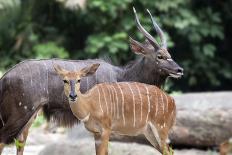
(127, 108)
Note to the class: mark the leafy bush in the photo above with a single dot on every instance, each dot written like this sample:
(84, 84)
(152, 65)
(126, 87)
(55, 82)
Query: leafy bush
(198, 32)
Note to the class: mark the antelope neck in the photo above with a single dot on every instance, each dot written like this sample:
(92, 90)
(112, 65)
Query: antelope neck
(144, 71)
(79, 108)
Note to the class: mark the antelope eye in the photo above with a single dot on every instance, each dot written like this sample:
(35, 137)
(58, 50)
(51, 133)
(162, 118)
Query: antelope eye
(160, 57)
(65, 81)
(78, 81)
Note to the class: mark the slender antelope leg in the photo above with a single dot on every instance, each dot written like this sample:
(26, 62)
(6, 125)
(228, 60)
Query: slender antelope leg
(164, 145)
(22, 140)
(152, 139)
(23, 136)
(97, 138)
(101, 142)
(1, 147)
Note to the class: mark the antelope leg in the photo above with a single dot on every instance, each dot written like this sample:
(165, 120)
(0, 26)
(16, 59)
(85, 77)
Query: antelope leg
(1, 147)
(23, 136)
(101, 142)
(151, 137)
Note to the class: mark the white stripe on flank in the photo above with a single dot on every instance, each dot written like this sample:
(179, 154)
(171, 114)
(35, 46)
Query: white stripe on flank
(110, 70)
(40, 84)
(47, 77)
(149, 104)
(116, 95)
(133, 96)
(166, 98)
(105, 100)
(99, 99)
(123, 117)
(162, 100)
(111, 112)
(30, 74)
(113, 100)
(141, 102)
(22, 74)
(156, 103)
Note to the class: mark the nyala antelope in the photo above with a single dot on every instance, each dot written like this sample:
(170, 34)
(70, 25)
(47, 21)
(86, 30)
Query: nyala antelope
(19, 85)
(127, 108)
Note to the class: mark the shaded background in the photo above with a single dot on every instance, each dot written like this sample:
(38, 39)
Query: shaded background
(199, 34)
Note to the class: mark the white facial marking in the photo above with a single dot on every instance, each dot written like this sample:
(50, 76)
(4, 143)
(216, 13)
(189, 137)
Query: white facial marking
(141, 102)
(25, 107)
(169, 60)
(133, 97)
(149, 103)
(123, 117)
(20, 103)
(99, 99)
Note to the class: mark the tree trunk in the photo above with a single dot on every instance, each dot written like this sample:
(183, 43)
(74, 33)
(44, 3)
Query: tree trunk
(203, 120)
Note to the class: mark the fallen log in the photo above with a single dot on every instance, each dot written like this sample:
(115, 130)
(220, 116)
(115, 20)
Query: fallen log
(203, 120)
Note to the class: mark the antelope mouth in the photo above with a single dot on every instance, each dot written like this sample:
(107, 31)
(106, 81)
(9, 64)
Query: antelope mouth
(176, 75)
(72, 100)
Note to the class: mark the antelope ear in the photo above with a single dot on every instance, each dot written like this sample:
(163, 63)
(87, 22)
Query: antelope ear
(60, 71)
(89, 70)
(137, 47)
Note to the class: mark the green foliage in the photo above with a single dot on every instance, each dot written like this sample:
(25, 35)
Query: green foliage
(18, 144)
(49, 50)
(199, 35)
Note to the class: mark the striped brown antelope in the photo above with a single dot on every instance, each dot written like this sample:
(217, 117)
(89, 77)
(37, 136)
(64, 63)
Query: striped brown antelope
(127, 108)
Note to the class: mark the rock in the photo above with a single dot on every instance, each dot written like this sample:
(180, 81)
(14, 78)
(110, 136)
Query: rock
(86, 147)
(203, 119)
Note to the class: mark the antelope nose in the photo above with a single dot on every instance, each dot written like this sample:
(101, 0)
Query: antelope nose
(180, 70)
(73, 96)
